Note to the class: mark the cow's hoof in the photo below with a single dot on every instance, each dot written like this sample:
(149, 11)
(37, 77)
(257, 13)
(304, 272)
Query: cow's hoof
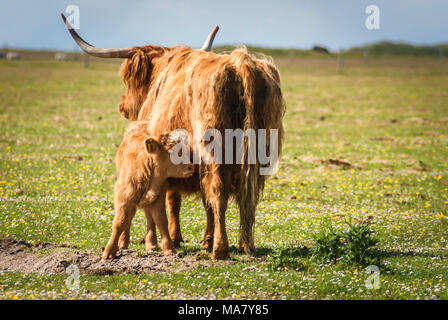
(208, 243)
(221, 254)
(177, 242)
(246, 247)
(247, 250)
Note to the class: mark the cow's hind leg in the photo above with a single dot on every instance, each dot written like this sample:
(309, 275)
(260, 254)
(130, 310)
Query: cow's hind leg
(216, 186)
(208, 236)
(247, 201)
(247, 222)
(174, 202)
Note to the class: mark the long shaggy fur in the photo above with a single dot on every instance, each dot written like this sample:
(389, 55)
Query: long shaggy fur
(173, 87)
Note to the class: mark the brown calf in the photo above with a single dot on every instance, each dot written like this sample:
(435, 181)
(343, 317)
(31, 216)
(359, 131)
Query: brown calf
(143, 167)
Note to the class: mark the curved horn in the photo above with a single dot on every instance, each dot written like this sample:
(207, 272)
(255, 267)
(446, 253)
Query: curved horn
(97, 51)
(209, 41)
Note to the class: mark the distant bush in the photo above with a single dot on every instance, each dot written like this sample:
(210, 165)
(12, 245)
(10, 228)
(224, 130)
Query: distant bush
(382, 48)
(399, 49)
(273, 52)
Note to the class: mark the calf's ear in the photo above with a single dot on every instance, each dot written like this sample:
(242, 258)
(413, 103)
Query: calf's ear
(151, 145)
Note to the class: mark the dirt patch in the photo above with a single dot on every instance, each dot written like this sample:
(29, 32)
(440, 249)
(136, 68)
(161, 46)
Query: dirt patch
(331, 162)
(47, 258)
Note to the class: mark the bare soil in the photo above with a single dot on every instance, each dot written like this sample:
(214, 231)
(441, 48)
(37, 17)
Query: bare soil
(47, 258)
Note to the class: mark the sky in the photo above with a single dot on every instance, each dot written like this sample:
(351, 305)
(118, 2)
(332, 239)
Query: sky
(36, 24)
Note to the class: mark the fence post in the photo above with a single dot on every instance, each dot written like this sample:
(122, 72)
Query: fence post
(340, 62)
(366, 55)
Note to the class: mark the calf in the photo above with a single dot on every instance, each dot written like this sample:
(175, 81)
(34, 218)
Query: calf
(143, 167)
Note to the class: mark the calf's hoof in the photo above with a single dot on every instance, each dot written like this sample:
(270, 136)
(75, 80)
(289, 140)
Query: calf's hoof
(150, 248)
(109, 254)
(123, 247)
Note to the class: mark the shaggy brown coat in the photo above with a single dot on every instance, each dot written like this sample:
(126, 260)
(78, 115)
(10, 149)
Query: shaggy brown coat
(174, 87)
(143, 167)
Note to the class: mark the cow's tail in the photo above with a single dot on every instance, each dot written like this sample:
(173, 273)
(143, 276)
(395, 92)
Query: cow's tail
(250, 180)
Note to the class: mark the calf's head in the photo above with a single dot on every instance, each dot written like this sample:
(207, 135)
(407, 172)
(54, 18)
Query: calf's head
(162, 164)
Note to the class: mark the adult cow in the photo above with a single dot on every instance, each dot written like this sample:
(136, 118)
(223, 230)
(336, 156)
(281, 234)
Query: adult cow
(180, 87)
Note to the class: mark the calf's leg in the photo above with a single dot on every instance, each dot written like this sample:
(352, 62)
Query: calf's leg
(151, 235)
(158, 213)
(123, 241)
(124, 212)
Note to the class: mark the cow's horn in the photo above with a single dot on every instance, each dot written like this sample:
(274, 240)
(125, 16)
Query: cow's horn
(97, 51)
(209, 41)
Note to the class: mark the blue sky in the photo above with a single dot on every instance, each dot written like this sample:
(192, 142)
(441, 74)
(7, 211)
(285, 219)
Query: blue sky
(299, 24)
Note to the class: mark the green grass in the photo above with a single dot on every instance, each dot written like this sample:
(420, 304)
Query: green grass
(60, 128)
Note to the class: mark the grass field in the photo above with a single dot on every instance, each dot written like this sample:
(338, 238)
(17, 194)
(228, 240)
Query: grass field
(386, 119)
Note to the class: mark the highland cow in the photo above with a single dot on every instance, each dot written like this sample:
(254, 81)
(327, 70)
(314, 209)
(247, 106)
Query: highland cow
(178, 87)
